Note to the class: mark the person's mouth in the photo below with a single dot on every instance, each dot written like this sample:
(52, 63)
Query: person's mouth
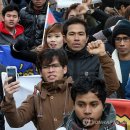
(11, 23)
(76, 45)
(51, 77)
(53, 45)
(122, 49)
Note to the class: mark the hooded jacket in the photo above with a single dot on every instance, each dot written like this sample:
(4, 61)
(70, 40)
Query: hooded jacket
(5, 36)
(107, 120)
(46, 107)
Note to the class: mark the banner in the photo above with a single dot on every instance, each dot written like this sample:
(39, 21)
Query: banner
(66, 3)
(96, 1)
(23, 67)
(122, 107)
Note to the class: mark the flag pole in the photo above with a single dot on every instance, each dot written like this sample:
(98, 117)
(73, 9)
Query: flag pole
(45, 23)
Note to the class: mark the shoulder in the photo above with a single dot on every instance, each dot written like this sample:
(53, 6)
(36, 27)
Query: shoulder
(118, 127)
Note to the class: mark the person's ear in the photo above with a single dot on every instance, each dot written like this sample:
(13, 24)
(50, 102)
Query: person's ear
(65, 69)
(87, 37)
(64, 39)
(3, 18)
(18, 19)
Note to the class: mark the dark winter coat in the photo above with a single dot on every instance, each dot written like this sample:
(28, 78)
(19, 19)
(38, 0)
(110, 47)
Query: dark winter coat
(33, 22)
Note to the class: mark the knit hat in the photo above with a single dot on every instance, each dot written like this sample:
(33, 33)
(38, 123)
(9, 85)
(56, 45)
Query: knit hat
(123, 27)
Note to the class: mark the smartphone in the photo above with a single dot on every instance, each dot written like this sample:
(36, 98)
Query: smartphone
(11, 72)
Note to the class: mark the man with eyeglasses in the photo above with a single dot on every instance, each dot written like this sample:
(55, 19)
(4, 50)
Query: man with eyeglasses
(51, 100)
(121, 55)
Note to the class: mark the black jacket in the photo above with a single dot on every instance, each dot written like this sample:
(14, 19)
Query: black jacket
(33, 22)
(83, 64)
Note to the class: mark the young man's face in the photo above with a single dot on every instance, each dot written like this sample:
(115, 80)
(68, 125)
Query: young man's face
(122, 44)
(76, 38)
(88, 109)
(38, 3)
(11, 19)
(54, 71)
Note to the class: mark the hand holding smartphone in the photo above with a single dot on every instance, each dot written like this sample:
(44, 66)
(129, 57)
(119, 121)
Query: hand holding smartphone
(11, 72)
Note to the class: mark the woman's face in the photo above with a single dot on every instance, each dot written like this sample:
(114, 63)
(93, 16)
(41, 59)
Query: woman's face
(55, 40)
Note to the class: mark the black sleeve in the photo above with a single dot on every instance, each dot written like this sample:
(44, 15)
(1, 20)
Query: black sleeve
(107, 32)
(100, 15)
(26, 55)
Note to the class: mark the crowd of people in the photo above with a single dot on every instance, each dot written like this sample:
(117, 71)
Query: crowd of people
(83, 59)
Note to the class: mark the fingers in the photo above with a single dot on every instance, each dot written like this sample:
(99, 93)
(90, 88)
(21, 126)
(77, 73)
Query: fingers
(96, 47)
(82, 8)
(10, 88)
(94, 44)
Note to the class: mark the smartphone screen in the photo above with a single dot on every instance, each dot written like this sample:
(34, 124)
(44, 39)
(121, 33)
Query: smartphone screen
(11, 72)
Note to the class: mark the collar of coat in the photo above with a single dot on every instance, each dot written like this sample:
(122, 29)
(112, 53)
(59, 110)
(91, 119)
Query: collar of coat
(48, 88)
(108, 120)
(76, 54)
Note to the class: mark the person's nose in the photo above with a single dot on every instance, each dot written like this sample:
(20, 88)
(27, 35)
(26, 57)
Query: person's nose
(52, 39)
(50, 69)
(76, 37)
(122, 43)
(11, 18)
(87, 110)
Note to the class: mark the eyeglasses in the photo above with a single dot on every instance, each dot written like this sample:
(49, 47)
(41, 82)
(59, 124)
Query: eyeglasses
(51, 66)
(119, 39)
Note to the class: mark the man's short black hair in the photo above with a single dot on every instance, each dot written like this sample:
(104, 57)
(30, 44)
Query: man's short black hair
(46, 56)
(74, 20)
(118, 3)
(10, 8)
(89, 84)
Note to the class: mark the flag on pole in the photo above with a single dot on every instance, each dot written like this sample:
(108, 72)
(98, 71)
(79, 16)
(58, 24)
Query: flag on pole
(50, 19)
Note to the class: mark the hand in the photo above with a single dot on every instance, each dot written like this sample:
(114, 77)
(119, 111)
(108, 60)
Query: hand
(11, 88)
(82, 8)
(39, 48)
(87, 1)
(96, 47)
(20, 45)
